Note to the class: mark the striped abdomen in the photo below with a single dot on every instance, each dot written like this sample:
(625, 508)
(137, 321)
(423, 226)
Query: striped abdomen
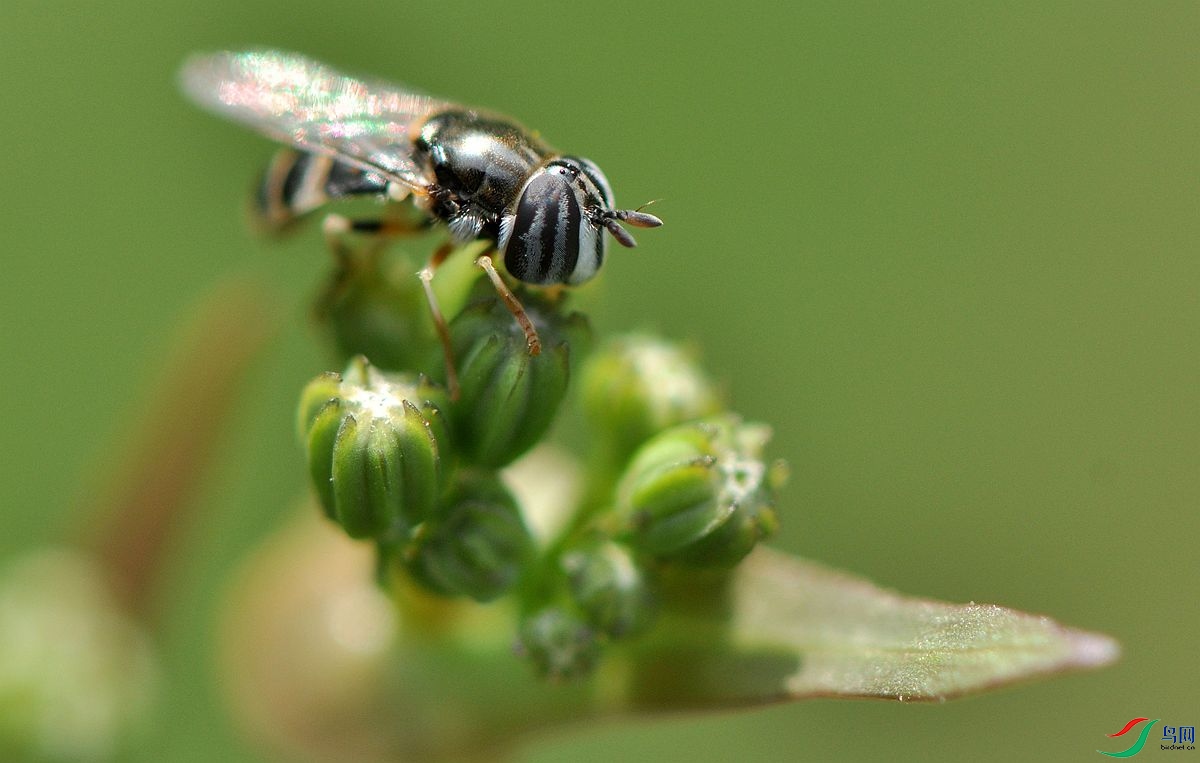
(296, 183)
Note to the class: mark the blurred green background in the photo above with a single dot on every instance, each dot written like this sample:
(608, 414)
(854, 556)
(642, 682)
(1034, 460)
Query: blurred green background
(950, 251)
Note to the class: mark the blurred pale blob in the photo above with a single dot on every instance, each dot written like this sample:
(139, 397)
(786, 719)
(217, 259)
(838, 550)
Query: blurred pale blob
(76, 675)
(548, 483)
(319, 664)
(301, 642)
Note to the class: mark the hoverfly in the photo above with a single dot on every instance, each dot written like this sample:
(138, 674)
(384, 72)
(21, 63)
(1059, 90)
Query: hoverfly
(481, 174)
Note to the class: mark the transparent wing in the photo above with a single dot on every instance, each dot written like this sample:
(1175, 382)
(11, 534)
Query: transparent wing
(296, 100)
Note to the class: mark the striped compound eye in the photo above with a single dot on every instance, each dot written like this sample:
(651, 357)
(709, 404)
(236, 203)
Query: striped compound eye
(551, 239)
(554, 234)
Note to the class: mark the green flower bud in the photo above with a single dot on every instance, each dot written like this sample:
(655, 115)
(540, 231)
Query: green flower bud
(638, 385)
(376, 443)
(606, 583)
(374, 306)
(700, 493)
(560, 645)
(477, 545)
(509, 397)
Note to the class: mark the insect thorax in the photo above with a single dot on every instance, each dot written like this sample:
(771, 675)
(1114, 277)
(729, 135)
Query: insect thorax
(481, 160)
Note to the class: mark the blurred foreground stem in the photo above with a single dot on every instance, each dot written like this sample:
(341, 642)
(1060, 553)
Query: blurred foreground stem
(142, 501)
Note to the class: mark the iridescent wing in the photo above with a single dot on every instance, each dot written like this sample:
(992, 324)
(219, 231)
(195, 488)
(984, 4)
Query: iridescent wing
(296, 100)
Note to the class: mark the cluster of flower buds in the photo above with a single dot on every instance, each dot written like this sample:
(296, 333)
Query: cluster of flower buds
(639, 385)
(374, 445)
(674, 480)
(699, 493)
(509, 397)
(476, 546)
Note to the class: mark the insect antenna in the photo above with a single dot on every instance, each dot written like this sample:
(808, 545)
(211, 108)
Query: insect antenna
(620, 234)
(635, 217)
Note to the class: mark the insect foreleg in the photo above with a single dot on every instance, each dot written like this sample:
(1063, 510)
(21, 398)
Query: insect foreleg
(512, 303)
(439, 320)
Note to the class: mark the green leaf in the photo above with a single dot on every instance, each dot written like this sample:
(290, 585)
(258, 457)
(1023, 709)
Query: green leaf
(797, 630)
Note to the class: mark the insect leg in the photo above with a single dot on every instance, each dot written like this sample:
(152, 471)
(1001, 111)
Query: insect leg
(336, 229)
(439, 320)
(340, 226)
(349, 260)
(512, 303)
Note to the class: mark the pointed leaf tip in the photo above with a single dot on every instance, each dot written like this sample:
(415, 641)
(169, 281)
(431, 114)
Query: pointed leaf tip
(853, 639)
